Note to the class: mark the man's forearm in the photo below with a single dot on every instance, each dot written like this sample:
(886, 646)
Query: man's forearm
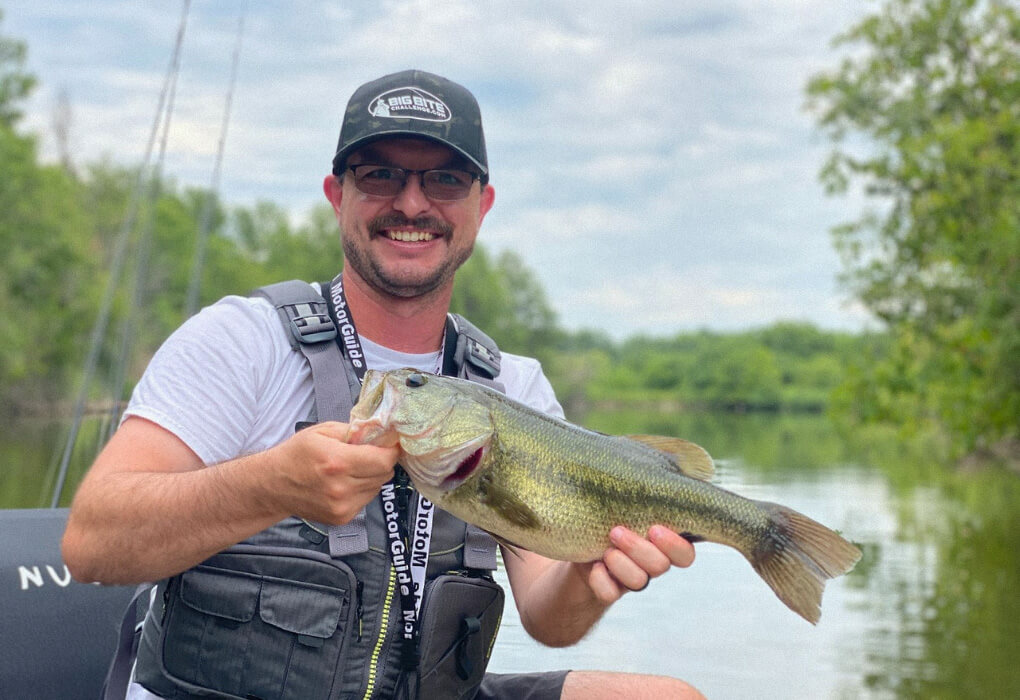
(556, 603)
(131, 526)
(148, 508)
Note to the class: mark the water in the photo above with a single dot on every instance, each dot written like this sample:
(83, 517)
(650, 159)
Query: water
(931, 611)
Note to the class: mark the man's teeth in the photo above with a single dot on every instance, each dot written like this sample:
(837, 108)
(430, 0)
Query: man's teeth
(411, 236)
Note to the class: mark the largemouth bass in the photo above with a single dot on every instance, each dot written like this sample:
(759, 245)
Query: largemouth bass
(557, 489)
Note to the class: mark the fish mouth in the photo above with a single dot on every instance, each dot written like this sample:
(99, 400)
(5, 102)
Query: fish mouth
(370, 414)
(373, 420)
(442, 443)
(463, 471)
(462, 460)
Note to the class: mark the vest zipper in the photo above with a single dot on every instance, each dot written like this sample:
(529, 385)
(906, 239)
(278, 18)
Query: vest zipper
(360, 608)
(384, 624)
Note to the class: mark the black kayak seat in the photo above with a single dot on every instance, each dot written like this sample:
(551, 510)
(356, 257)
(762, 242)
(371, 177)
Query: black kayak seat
(57, 636)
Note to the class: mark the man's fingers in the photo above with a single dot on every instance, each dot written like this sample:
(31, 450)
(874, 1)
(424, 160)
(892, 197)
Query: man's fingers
(625, 571)
(644, 553)
(634, 561)
(603, 584)
(332, 429)
(680, 551)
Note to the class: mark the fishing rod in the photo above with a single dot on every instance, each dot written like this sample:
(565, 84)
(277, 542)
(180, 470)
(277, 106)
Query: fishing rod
(205, 222)
(116, 266)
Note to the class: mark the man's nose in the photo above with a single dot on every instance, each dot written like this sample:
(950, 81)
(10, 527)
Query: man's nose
(411, 200)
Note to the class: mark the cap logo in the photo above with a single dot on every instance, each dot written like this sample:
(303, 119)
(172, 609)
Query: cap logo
(409, 103)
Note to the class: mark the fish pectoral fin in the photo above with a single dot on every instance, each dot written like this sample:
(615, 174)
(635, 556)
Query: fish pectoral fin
(689, 459)
(507, 505)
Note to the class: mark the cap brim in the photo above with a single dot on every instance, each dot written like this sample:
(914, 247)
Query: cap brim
(342, 154)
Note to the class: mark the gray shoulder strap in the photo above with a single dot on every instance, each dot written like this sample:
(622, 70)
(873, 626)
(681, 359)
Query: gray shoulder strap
(305, 314)
(118, 675)
(476, 356)
(479, 549)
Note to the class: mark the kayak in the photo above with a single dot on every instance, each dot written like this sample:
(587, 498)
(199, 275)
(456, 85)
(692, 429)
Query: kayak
(57, 636)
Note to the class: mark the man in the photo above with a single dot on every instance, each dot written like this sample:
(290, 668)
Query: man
(410, 190)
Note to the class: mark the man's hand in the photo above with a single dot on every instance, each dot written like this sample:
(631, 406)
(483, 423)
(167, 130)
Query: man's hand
(559, 601)
(324, 478)
(633, 561)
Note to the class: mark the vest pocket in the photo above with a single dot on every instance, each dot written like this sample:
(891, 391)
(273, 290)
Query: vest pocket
(460, 616)
(238, 626)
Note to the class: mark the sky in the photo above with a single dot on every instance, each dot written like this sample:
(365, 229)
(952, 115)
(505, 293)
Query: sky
(654, 163)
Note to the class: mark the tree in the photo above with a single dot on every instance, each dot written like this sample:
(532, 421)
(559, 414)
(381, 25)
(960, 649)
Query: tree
(15, 83)
(46, 272)
(925, 119)
(504, 299)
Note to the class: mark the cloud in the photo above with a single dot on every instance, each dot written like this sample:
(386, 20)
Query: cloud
(649, 146)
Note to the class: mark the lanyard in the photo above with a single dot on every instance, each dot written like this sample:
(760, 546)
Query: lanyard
(409, 566)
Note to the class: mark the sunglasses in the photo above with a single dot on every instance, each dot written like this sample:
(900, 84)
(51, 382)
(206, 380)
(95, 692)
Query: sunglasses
(443, 184)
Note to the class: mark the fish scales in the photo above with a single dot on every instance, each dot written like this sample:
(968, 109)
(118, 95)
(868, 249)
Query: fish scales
(555, 488)
(596, 474)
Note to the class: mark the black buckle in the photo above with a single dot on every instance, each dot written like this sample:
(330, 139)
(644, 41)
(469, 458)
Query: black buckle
(310, 323)
(481, 357)
(468, 627)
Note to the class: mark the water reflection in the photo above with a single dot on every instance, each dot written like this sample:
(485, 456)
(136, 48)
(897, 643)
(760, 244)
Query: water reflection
(30, 452)
(930, 612)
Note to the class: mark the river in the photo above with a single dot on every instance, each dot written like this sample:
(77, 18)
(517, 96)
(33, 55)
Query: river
(931, 611)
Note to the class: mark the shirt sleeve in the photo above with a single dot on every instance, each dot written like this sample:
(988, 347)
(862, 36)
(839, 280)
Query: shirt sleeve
(203, 383)
(525, 381)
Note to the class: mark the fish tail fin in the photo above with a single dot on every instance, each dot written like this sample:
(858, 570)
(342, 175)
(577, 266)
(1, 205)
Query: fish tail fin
(797, 557)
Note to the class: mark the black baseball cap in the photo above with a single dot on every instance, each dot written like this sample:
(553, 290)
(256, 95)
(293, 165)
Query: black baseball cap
(417, 104)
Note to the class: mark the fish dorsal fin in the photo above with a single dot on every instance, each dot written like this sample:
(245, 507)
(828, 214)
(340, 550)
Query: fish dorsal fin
(690, 459)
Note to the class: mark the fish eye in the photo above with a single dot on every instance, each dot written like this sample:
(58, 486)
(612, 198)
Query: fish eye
(415, 380)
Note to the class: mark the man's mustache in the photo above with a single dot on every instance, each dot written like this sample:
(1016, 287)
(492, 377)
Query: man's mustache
(421, 223)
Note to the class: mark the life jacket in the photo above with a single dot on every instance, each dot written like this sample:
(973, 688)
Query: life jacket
(303, 610)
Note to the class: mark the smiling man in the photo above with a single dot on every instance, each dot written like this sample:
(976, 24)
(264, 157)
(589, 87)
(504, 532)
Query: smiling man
(292, 564)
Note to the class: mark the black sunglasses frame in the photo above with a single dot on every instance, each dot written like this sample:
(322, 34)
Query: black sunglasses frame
(421, 179)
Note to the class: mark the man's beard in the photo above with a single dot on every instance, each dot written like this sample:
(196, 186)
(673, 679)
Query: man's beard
(395, 282)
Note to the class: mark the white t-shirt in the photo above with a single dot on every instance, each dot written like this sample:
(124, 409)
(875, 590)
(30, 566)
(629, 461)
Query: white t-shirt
(228, 383)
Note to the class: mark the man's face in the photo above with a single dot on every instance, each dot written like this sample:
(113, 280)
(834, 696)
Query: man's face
(407, 245)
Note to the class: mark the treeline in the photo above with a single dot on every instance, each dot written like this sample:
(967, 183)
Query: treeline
(62, 241)
(61, 226)
(786, 366)
(61, 230)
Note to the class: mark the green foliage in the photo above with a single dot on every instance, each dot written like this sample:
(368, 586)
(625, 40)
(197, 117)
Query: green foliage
(44, 286)
(926, 121)
(61, 232)
(787, 366)
(505, 299)
(15, 83)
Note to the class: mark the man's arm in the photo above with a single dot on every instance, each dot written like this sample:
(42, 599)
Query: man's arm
(148, 508)
(560, 601)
